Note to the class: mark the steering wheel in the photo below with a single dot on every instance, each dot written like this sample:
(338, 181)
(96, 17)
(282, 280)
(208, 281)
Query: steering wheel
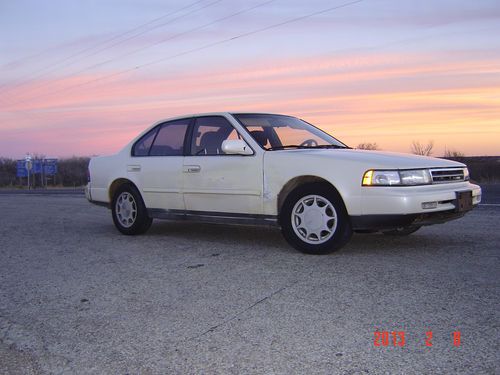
(309, 143)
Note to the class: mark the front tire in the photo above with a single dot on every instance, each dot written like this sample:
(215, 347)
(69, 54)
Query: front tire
(314, 219)
(129, 212)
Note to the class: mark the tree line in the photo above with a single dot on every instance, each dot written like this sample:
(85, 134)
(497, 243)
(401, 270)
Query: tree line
(70, 172)
(417, 148)
(484, 169)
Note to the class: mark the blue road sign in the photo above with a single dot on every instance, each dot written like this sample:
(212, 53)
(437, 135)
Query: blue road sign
(21, 169)
(37, 166)
(48, 166)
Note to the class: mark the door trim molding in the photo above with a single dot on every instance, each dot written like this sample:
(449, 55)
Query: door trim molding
(223, 192)
(214, 217)
(159, 190)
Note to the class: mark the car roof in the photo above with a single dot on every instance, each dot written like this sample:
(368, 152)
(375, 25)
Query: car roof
(217, 114)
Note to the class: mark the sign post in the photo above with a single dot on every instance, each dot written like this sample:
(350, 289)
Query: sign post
(29, 166)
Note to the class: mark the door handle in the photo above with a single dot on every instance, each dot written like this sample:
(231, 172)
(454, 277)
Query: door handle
(133, 168)
(191, 169)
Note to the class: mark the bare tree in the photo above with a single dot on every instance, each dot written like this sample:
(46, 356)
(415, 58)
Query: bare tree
(368, 146)
(420, 149)
(450, 153)
(70, 171)
(8, 168)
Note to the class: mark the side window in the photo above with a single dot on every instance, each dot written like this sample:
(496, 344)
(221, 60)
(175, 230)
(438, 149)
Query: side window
(209, 133)
(142, 146)
(170, 139)
(261, 134)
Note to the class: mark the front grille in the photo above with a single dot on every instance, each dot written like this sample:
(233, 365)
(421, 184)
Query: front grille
(442, 176)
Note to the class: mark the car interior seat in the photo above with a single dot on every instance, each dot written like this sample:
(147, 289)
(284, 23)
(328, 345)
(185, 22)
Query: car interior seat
(260, 137)
(210, 143)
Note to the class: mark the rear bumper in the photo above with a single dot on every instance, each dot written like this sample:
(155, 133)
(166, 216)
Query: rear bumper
(88, 195)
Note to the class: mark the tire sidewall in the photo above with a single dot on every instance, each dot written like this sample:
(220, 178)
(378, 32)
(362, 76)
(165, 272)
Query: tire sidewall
(142, 220)
(342, 233)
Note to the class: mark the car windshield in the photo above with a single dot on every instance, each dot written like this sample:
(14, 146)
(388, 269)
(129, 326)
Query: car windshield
(278, 132)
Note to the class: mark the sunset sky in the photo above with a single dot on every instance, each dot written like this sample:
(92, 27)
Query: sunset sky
(85, 77)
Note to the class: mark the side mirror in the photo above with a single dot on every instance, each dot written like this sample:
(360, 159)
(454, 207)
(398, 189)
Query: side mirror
(236, 147)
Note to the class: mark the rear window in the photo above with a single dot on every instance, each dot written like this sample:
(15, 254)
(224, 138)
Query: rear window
(170, 139)
(142, 146)
(164, 140)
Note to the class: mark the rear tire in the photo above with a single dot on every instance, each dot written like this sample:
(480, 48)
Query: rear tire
(129, 212)
(403, 231)
(314, 220)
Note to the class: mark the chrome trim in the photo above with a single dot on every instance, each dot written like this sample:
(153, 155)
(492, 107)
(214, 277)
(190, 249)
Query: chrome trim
(447, 175)
(214, 217)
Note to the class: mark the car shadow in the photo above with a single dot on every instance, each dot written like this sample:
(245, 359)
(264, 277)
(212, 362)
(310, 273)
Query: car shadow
(240, 235)
(423, 241)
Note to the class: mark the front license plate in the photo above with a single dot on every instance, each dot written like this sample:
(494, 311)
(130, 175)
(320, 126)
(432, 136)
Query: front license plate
(464, 201)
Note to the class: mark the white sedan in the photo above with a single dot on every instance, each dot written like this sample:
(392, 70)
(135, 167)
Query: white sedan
(252, 168)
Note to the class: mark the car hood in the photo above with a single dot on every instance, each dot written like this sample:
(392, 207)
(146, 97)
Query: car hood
(378, 159)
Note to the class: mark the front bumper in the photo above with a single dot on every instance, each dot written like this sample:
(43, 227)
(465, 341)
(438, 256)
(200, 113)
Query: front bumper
(395, 207)
(409, 200)
(386, 222)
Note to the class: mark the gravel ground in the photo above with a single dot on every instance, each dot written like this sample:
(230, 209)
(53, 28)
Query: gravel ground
(77, 297)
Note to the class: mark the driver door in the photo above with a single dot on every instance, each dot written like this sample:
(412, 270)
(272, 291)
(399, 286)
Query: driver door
(216, 182)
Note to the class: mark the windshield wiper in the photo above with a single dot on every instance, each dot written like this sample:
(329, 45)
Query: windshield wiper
(285, 146)
(299, 146)
(327, 146)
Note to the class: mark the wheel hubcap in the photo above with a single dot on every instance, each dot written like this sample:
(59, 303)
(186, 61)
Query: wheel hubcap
(126, 209)
(314, 219)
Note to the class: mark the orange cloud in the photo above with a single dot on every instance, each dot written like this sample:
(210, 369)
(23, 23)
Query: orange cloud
(390, 99)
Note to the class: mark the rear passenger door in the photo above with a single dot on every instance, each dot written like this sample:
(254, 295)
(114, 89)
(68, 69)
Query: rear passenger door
(156, 164)
(216, 182)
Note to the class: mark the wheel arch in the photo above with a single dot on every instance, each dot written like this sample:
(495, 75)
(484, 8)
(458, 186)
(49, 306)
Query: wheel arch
(298, 181)
(116, 184)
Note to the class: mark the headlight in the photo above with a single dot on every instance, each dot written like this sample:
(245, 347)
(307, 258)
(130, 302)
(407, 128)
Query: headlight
(466, 174)
(417, 177)
(384, 178)
(397, 178)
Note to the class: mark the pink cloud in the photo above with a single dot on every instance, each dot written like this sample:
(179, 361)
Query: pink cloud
(367, 97)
